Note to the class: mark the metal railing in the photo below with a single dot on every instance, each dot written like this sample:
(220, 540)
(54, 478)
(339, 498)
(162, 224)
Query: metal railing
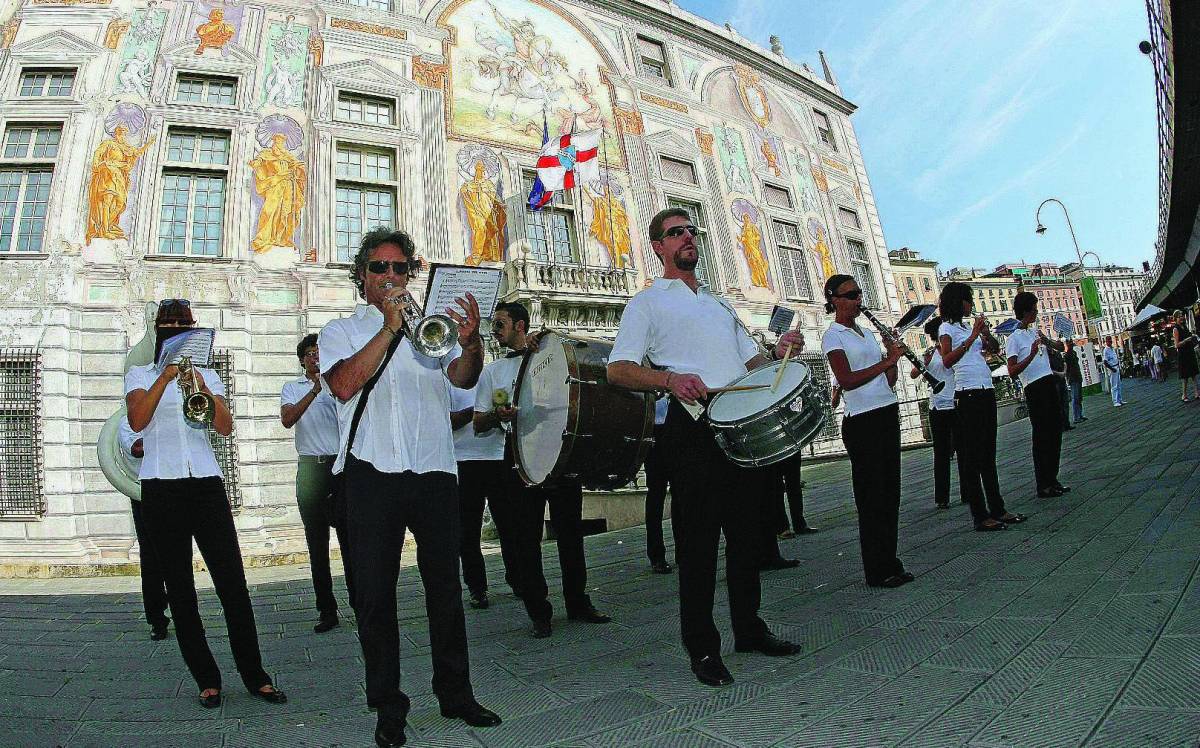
(22, 493)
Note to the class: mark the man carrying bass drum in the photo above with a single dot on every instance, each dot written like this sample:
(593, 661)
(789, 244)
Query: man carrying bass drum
(695, 343)
(870, 429)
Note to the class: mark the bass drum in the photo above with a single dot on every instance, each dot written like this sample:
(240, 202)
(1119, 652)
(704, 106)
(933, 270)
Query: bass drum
(571, 423)
(762, 427)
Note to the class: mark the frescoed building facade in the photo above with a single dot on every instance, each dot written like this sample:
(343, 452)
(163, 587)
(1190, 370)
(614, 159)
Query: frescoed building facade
(234, 153)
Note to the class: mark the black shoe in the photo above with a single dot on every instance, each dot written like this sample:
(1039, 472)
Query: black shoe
(1081, 419)
(661, 567)
(769, 645)
(711, 671)
(212, 701)
(389, 731)
(479, 600)
(1049, 493)
(907, 576)
(780, 563)
(274, 696)
(940, 505)
(328, 622)
(589, 615)
(891, 582)
(473, 713)
(158, 633)
(541, 629)
(981, 527)
(806, 530)
(1061, 487)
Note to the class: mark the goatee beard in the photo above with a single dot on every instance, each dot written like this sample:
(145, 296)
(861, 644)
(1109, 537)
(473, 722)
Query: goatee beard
(686, 265)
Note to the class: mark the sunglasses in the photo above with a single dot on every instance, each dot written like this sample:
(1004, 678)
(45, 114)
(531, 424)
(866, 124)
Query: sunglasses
(678, 231)
(855, 294)
(175, 302)
(379, 267)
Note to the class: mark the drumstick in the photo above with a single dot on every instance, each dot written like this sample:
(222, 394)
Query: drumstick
(787, 355)
(737, 388)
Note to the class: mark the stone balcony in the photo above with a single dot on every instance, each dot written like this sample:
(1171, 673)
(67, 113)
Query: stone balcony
(568, 296)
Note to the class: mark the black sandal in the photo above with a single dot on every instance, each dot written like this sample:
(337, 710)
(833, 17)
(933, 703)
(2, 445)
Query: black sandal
(212, 701)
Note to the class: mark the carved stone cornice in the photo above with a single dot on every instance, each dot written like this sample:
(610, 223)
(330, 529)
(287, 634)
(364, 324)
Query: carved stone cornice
(429, 74)
(629, 121)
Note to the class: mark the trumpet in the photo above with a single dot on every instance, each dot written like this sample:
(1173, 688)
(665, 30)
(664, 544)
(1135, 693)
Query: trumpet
(199, 408)
(935, 384)
(433, 335)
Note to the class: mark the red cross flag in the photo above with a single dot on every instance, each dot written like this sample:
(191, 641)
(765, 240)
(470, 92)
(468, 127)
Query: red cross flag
(565, 162)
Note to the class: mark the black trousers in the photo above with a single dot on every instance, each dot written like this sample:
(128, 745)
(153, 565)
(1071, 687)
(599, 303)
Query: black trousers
(154, 589)
(380, 506)
(656, 497)
(943, 423)
(174, 513)
(1045, 419)
(712, 495)
(1064, 400)
(975, 416)
(872, 440)
(481, 482)
(785, 478)
(315, 487)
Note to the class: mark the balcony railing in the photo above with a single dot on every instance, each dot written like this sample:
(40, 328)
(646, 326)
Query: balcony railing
(526, 274)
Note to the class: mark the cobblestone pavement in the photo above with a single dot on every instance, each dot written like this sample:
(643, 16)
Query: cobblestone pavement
(1079, 627)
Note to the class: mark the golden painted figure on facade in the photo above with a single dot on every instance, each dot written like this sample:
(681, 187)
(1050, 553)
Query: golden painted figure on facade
(769, 156)
(821, 248)
(750, 240)
(610, 224)
(279, 179)
(216, 33)
(108, 188)
(484, 214)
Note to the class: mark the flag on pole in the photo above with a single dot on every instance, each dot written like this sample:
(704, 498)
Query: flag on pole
(565, 162)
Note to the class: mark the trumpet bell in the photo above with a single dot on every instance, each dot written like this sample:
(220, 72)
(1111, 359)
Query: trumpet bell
(435, 336)
(199, 409)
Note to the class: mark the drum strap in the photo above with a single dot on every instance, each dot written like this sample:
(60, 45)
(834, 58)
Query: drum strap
(370, 385)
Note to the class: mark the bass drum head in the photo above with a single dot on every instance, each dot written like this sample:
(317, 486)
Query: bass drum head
(543, 409)
(730, 407)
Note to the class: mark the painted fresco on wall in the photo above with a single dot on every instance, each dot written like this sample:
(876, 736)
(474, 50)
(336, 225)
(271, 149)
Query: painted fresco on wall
(824, 256)
(216, 25)
(285, 70)
(750, 239)
(752, 95)
(805, 186)
(609, 222)
(481, 205)
(114, 173)
(734, 164)
(515, 60)
(279, 183)
(771, 156)
(139, 50)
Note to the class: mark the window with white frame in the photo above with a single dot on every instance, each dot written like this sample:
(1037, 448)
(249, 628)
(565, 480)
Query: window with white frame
(26, 172)
(849, 218)
(215, 90)
(364, 109)
(862, 272)
(653, 58)
(41, 83)
(824, 129)
(777, 197)
(676, 170)
(550, 231)
(192, 210)
(792, 267)
(703, 245)
(365, 194)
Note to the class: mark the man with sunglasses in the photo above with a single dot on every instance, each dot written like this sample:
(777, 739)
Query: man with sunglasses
(399, 472)
(694, 342)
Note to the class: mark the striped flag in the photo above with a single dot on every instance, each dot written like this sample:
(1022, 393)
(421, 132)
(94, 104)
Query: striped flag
(565, 162)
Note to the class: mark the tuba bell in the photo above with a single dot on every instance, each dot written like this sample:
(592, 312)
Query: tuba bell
(199, 408)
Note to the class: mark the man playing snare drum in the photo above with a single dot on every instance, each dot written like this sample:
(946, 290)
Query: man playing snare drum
(695, 343)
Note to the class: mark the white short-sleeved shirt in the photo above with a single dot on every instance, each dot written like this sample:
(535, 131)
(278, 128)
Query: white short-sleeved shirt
(943, 400)
(684, 331)
(406, 424)
(500, 374)
(467, 444)
(862, 352)
(971, 372)
(1109, 356)
(172, 449)
(1018, 345)
(317, 429)
(1156, 353)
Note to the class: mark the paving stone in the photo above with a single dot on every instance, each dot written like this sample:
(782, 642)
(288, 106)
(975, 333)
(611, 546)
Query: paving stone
(1125, 628)
(1168, 677)
(1148, 729)
(898, 651)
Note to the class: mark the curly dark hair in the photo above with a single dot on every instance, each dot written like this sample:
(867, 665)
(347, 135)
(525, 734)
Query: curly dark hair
(656, 223)
(951, 299)
(371, 241)
(308, 341)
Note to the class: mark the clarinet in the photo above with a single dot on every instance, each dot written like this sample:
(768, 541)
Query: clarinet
(935, 384)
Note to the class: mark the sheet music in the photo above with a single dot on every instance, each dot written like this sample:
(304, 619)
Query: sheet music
(781, 319)
(196, 343)
(448, 282)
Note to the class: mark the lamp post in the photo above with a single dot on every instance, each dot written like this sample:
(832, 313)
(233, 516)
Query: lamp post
(1041, 229)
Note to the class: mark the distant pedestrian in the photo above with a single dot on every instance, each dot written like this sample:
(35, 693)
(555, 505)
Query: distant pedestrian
(1185, 344)
(1075, 381)
(1157, 362)
(1112, 363)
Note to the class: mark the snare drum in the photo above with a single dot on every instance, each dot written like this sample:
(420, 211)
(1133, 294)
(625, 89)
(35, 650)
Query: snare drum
(761, 427)
(571, 423)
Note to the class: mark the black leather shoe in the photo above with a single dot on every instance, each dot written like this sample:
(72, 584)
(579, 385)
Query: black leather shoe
(807, 530)
(274, 696)
(541, 629)
(328, 622)
(1049, 493)
(890, 583)
(907, 576)
(473, 713)
(770, 645)
(661, 567)
(389, 732)
(780, 563)
(589, 615)
(479, 600)
(711, 671)
(1061, 487)
(212, 701)
(158, 633)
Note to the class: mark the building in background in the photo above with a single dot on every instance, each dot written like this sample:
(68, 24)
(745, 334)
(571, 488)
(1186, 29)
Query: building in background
(1056, 293)
(235, 155)
(916, 283)
(993, 292)
(1119, 289)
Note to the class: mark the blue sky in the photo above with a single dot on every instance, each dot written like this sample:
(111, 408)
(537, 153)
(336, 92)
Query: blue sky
(971, 112)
